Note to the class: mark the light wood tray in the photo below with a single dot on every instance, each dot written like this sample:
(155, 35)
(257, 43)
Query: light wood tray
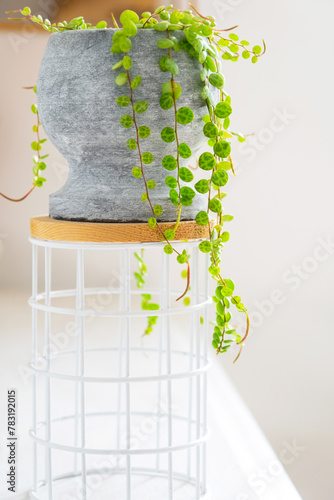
(46, 228)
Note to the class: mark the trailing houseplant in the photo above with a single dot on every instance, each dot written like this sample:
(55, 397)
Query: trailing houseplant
(176, 34)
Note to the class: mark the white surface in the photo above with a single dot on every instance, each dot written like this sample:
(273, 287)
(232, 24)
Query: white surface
(237, 449)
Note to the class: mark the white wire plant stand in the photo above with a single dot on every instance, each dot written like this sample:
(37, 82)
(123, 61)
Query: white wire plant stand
(117, 415)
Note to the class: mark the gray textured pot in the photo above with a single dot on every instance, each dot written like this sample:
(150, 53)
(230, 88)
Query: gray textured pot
(76, 100)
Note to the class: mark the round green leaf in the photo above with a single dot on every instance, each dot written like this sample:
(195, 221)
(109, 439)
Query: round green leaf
(245, 54)
(131, 144)
(220, 178)
(168, 134)
(210, 130)
(187, 193)
(166, 101)
(150, 184)
(173, 194)
(127, 62)
(223, 110)
(126, 121)
(170, 234)
(203, 74)
(184, 150)
(210, 64)
(254, 59)
(163, 26)
(215, 270)
(152, 222)
(171, 182)
(184, 115)
(169, 162)
(205, 92)
(206, 161)
(222, 148)
(115, 49)
(202, 186)
(175, 89)
(257, 49)
(202, 218)
(217, 80)
(198, 45)
(185, 174)
(144, 197)
(168, 249)
(136, 172)
(227, 218)
(165, 43)
(215, 205)
(34, 109)
(234, 48)
(233, 37)
(144, 132)
(129, 15)
(121, 79)
(158, 210)
(136, 82)
(118, 64)
(181, 259)
(164, 16)
(205, 246)
(162, 63)
(147, 158)
(140, 107)
(171, 66)
(125, 44)
(225, 165)
(123, 101)
(223, 43)
(129, 28)
(202, 56)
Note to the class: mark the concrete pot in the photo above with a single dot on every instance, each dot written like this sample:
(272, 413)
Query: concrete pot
(76, 100)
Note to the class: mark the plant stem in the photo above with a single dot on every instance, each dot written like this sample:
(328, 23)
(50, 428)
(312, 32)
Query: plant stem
(145, 182)
(114, 20)
(19, 199)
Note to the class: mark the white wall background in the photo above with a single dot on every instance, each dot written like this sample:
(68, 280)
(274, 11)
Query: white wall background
(280, 254)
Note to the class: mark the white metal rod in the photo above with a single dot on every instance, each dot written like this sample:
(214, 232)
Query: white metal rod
(127, 370)
(47, 346)
(191, 363)
(198, 378)
(205, 377)
(169, 382)
(121, 307)
(80, 305)
(160, 348)
(34, 357)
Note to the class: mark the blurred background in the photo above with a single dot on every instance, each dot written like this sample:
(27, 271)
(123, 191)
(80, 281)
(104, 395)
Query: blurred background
(281, 252)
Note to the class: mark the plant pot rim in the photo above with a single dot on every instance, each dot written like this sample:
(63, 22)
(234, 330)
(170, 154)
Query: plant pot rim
(76, 32)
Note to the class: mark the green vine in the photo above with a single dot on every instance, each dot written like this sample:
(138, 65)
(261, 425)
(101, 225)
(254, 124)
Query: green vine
(211, 47)
(38, 160)
(146, 303)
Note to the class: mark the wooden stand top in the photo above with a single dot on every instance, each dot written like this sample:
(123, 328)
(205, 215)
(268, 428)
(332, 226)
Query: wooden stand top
(46, 228)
